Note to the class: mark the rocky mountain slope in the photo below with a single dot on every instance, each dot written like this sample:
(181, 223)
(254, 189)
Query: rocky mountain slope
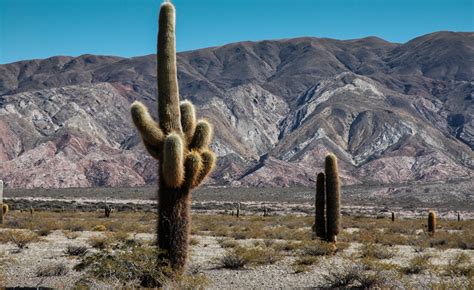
(391, 112)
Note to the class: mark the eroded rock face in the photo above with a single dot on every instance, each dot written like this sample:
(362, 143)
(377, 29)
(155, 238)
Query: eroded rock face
(391, 113)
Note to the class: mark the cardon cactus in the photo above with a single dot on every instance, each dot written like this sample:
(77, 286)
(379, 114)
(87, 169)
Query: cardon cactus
(333, 196)
(393, 216)
(320, 219)
(179, 142)
(431, 222)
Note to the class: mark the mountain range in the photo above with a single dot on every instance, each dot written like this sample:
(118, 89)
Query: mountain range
(392, 113)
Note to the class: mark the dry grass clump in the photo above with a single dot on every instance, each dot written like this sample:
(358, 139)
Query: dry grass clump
(460, 265)
(99, 228)
(72, 250)
(52, 270)
(99, 242)
(238, 257)
(417, 264)
(22, 238)
(353, 275)
(227, 243)
(71, 235)
(232, 260)
(376, 251)
(317, 248)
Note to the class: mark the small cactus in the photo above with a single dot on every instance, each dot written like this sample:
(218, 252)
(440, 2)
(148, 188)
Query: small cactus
(238, 210)
(333, 196)
(459, 216)
(320, 220)
(393, 216)
(431, 222)
(32, 211)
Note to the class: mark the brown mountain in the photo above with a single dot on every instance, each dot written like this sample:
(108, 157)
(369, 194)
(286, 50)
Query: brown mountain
(391, 112)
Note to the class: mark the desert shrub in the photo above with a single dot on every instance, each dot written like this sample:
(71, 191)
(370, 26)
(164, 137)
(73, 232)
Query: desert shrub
(71, 235)
(75, 250)
(317, 248)
(99, 228)
(306, 260)
(239, 256)
(22, 238)
(51, 270)
(227, 243)
(258, 256)
(342, 276)
(287, 246)
(351, 274)
(99, 242)
(232, 260)
(459, 265)
(133, 266)
(417, 264)
(377, 251)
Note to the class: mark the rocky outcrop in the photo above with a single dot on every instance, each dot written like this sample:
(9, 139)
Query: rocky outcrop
(392, 113)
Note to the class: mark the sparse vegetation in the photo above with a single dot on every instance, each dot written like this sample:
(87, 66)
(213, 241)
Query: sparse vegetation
(72, 250)
(59, 269)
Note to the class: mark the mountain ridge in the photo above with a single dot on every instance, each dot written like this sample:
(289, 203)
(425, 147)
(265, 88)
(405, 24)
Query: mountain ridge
(278, 107)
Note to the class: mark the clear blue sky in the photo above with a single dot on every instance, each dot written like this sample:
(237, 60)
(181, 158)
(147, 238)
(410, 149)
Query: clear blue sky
(43, 28)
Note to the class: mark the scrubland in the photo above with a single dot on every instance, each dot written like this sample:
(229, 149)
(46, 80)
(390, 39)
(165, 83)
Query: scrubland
(64, 249)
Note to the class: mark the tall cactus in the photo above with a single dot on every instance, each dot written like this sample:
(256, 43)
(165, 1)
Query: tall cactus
(332, 198)
(431, 222)
(179, 142)
(1, 202)
(320, 220)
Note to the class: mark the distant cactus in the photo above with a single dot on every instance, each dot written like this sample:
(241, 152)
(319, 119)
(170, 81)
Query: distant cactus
(320, 219)
(5, 209)
(332, 198)
(459, 216)
(393, 216)
(431, 222)
(179, 142)
(32, 211)
(1, 201)
(238, 209)
(107, 210)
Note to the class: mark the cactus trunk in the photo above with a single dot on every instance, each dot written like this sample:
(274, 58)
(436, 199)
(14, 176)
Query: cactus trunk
(174, 224)
(332, 198)
(320, 220)
(179, 143)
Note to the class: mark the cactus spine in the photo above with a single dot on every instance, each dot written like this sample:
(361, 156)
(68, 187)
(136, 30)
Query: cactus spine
(431, 222)
(320, 220)
(1, 202)
(332, 198)
(178, 142)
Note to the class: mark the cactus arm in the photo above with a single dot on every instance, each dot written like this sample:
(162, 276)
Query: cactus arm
(188, 119)
(148, 128)
(208, 164)
(193, 167)
(202, 136)
(172, 163)
(168, 100)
